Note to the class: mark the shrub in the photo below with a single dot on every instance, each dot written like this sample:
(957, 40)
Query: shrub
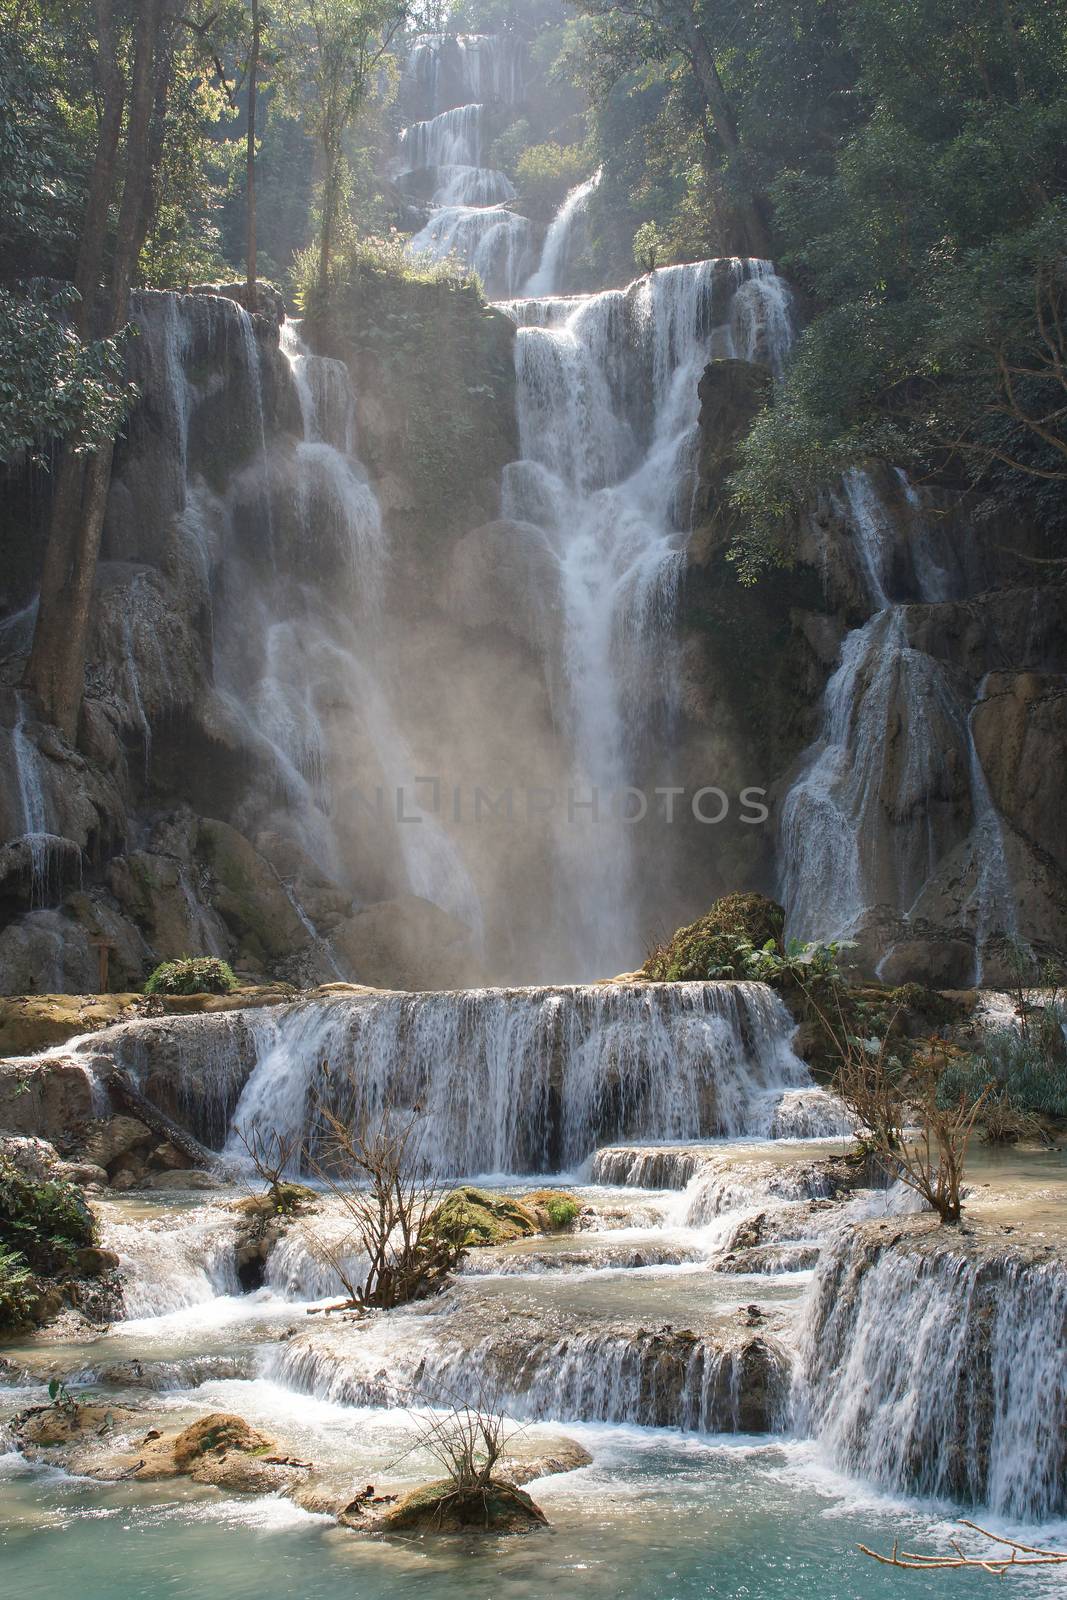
(561, 1208)
(45, 1221)
(716, 946)
(192, 975)
(1023, 1070)
(375, 257)
(18, 1292)
(648, 247)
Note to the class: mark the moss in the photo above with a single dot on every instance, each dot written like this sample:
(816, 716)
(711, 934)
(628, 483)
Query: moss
(217, 1433)
(707, 949)
(473, 1217)
(560, 1209)
(192, 975)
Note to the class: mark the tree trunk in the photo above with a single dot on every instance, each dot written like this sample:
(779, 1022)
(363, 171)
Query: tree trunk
(250, 163)
(331, 184)
(102, 181)
(749, 223)
(56, 668)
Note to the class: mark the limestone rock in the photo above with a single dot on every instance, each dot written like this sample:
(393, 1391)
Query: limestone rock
(249, 895)
(29, 1023)
(438, 1508)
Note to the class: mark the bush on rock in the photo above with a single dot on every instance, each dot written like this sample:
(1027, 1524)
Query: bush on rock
(192, 975)
(714, 947)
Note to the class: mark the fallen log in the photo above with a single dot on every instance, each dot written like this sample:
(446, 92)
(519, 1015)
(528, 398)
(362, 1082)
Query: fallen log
(197, 1154)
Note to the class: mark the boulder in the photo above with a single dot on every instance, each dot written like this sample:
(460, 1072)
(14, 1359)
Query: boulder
(106, 1143)
(248, 894)
(440, 1508)
(51, 1099)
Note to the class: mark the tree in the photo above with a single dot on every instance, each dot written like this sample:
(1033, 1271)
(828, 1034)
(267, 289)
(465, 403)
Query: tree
(139, 88)
(887, 1093)
(626, 38)
(931, 237)
(332, 50)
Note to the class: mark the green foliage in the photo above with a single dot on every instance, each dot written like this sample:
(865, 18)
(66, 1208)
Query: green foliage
(52, 385)
(381, 258)
(18, 1291)
(192, 975)
(807, 966)
(648, 247)
(545, 173)
(1021, 1070)
(46, 1221)
(718, 944)
(562, 1209)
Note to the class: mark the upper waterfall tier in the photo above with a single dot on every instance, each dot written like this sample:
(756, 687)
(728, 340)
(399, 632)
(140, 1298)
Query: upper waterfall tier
(448, 70)
(608, 408)
(453, 139)
(508, 1080)
(559, 246)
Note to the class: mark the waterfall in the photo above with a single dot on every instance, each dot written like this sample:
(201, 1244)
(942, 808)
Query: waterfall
(558, 249)
(453, 139)
(868, 819)
(468, 218)
(685, 1381)
(934, 1372)
(488, 240)
(458, 67)
(530, 1080)
(608, 409)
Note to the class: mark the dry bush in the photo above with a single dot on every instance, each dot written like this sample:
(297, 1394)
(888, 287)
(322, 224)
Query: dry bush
(888, 1094)
(372, 1170)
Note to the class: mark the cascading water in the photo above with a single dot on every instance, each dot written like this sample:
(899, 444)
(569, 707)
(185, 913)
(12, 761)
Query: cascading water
(606, 381)
(530, 1080)
(558, 250)
(446, 151)
(870, 817)
(932, 1372)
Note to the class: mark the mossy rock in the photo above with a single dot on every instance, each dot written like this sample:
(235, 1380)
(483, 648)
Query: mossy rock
(707, 949)
(287, 1201)
(216, 1434)
(441, 1508)
(475, 1217)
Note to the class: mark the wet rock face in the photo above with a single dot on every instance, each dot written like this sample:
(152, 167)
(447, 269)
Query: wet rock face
(730, 1376)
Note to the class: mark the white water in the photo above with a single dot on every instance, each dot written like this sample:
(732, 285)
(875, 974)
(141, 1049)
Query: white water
(868, 821)
(469, 220)
(608, 409)
(558, 248)
(935, 1375)
(531, 1080)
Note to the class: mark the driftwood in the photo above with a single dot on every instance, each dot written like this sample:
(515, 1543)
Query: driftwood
(197, 1154)
(1019, 1555)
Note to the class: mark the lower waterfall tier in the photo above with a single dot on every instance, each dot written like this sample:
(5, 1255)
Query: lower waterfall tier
(934, 1366)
